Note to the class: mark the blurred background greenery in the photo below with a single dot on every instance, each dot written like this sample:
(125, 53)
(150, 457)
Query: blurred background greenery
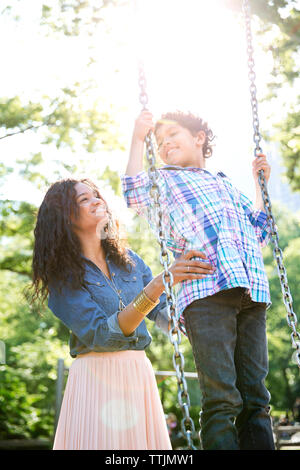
(69, 120)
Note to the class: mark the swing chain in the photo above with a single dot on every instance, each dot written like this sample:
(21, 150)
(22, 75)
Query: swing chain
(252, 76)
(277, 252)
(187, 424)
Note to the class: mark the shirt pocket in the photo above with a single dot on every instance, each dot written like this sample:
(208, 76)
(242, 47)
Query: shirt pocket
(96, 288)
(97, 284)
(128, 280)
(130, 285)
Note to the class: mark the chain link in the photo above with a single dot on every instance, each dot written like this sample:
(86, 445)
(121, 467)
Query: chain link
(277, 252)
(187, 424)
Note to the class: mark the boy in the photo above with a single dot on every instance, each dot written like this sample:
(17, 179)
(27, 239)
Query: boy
(224, 314)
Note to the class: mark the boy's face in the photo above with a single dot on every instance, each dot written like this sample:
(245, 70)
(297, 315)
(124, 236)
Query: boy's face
(177, 145)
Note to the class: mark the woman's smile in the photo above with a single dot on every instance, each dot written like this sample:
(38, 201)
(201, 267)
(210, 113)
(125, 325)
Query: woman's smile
(102, 215)
(100, 211)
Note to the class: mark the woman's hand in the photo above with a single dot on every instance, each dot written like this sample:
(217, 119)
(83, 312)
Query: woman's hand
(143, 124)
(184, 268)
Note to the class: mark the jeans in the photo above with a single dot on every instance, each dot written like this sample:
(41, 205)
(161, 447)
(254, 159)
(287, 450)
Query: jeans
(227, 332)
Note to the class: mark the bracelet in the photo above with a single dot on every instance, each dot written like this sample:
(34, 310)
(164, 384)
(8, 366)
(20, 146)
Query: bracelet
(143, 304)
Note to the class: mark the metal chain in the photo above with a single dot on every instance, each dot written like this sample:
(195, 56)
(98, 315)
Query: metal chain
(187, 424)
(277, 252)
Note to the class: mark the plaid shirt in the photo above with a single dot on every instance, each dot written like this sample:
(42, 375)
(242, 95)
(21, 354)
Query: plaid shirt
(206, 212)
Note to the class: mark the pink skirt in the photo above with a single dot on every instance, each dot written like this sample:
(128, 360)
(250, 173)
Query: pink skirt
(111, 402)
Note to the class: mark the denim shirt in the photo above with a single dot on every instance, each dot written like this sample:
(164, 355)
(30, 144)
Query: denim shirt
(91, 312)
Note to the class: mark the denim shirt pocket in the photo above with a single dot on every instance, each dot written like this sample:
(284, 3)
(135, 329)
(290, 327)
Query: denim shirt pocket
(128, 277)
(130, 284)
(94, 283)
(96, 287)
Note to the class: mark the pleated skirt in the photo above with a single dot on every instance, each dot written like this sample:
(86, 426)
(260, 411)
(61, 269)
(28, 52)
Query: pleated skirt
(111, 402)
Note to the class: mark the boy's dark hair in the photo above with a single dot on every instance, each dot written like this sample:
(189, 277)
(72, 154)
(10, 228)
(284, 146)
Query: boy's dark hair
(193, 123)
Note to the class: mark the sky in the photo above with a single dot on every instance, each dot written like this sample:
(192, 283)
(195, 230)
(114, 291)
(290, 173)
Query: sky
(194, 55)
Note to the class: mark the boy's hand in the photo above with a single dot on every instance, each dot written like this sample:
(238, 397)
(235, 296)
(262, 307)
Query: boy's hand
(143, 124)
(260, 163)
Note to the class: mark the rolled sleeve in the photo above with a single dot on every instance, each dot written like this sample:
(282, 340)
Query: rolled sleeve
(114, 327)
(133, 182)
(258, 219)
(261, 226)
(136, 191)
(113, 323)
(162, 319)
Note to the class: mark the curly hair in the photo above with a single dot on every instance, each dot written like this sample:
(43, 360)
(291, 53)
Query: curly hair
(57, 250)
(194, 124)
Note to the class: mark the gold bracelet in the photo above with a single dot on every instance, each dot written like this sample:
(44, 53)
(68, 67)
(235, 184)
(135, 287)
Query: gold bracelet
(143, 304)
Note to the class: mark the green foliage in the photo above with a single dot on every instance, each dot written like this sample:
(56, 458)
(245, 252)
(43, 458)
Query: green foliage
(15, 115)
(28, 379)
(67, 17)
(64, 121)
(283, 378)
(76, 17)
(16, 236)
(282, 18)
(112, 178)
(288, 135)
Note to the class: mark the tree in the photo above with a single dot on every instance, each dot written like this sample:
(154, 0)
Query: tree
(283, 375)
(279, 31)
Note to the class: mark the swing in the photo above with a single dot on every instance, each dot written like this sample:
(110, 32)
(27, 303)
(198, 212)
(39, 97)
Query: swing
(187, 424)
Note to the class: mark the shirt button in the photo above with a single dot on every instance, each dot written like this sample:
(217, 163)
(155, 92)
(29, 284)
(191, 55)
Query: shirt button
(134, 278)
(113, 274)
(119, 291)
(98, 283)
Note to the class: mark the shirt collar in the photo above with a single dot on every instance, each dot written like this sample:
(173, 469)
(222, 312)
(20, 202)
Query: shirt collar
(90, 261)
(177, 167)
(188, 168)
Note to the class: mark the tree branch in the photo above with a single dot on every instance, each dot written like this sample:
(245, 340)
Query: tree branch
(23, 130)
(16, 271)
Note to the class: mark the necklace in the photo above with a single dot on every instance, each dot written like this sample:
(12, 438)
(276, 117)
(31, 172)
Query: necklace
(111, 284)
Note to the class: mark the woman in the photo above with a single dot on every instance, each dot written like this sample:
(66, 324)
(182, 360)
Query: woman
(102, 292)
